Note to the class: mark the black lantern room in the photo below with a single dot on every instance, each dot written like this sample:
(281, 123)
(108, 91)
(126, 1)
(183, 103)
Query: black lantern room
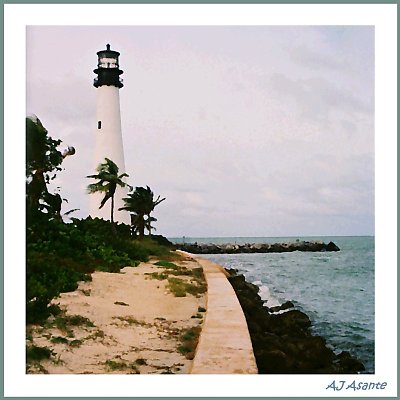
(107, 70)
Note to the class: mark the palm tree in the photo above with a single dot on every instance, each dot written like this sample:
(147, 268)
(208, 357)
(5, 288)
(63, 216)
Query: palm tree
(140, 204)
(148, 225)
(108, 180)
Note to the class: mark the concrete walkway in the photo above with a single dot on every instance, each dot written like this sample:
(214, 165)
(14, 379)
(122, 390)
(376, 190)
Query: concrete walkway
(225, 345)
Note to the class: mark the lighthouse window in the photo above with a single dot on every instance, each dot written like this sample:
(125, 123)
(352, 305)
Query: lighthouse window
(98, 124)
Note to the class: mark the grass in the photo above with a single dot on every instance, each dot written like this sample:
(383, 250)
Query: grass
(75, 343)
(180, 288)
(62, 340)
(151, 247)
(173, 269)
(64, 323)
(98, 334)
(167, 264)
(59, 339)
(130, 320)
(189, 340)
(113, 365)
(177, 286)
(157, 275)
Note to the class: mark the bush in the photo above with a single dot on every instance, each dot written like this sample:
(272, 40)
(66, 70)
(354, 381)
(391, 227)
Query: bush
(46, 277)
(60, 255)
(35, 353)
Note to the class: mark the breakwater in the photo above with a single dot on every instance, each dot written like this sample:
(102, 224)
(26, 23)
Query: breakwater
(282, 340)
(229, 248)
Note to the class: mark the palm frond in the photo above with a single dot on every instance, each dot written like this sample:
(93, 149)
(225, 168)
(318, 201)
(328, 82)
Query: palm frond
(108, 180)
(71, 211)
(96, 187)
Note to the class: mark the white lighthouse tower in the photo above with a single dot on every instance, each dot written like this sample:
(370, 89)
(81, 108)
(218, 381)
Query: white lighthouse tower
(108, 136)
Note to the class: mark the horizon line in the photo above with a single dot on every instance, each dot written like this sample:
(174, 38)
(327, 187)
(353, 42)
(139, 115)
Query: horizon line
(215, 237)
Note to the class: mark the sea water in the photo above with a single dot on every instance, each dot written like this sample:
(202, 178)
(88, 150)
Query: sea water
(335, 289)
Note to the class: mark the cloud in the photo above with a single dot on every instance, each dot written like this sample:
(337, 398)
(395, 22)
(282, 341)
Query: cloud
(245, 130)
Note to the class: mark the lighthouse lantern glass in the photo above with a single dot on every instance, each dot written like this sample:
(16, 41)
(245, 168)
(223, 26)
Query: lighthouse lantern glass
(108, 62)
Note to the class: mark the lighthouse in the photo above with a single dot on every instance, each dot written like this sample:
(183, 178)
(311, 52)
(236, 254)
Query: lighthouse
(108, 135)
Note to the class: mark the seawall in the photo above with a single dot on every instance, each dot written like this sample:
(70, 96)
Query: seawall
(225, 345)
(242, 336)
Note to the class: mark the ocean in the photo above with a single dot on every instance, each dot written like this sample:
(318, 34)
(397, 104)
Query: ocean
(335, 289)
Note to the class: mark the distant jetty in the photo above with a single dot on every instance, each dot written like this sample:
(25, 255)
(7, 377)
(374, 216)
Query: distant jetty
(229, 248)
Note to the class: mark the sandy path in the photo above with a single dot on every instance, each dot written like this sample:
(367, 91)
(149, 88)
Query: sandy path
(134, 325)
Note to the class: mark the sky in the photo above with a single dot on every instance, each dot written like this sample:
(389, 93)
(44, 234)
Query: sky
(246, 130)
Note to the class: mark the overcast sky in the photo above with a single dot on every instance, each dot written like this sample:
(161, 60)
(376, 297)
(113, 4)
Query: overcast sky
(247, 131)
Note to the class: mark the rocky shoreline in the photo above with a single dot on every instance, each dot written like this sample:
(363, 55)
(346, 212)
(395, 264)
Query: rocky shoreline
(228, 248)
(281, 337)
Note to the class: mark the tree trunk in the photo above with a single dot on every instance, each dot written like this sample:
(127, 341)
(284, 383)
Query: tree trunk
(149, 227)
(141, 228)
(112, 209)
(112, 216)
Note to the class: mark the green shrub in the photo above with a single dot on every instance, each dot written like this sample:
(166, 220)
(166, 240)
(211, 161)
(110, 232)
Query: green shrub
(75, 343)
(60, 255)
(185, 349)
(189, 340)
(36, 353)
(59, 339)
(189, 335)
(167, 264)
(64, 322)
(45, 279)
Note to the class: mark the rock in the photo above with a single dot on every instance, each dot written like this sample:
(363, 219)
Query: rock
(283, 343)
(291, 323)
(348, 364)
(257, 248)
(285, 306)
(274, 309)
(331, 247)
(231, 271)
(274, 362)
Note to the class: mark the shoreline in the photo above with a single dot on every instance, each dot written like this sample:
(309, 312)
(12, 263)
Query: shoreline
(132, 323)
(282, 340)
